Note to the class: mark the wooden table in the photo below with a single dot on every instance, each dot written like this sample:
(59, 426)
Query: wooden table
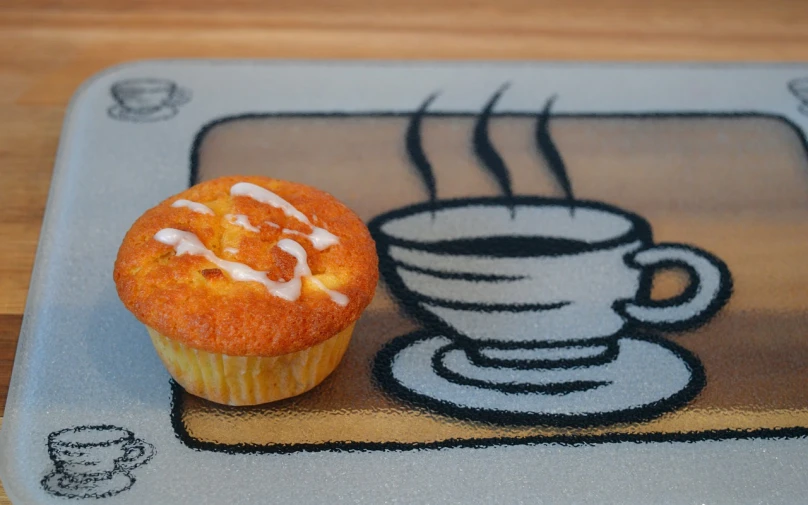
(47, 50)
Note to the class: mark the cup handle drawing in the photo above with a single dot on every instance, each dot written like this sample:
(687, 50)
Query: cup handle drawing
(180, 96)
(709, 289)
(137, 453)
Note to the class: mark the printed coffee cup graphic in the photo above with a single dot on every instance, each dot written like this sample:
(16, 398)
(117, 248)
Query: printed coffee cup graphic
(94, 461)
(694, 178)
(799, 88)
(536, 307)
(528, 271)
(147, 99)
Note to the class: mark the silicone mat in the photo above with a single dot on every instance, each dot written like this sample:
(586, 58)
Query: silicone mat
(593, 287)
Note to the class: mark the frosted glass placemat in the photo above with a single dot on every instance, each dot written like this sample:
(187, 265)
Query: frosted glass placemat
(592, 287)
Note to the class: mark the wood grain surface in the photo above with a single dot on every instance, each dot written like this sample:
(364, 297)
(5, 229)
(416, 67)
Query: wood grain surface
(48, 47)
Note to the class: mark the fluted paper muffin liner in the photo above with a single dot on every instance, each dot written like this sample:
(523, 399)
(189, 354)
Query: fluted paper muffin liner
(250, 380)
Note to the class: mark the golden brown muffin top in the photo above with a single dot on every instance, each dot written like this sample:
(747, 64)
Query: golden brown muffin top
(189, 298)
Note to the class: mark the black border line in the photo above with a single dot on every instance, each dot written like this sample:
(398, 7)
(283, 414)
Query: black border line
(199, 139)
(564, 440)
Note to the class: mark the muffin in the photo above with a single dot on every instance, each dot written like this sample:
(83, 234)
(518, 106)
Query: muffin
(248, 286)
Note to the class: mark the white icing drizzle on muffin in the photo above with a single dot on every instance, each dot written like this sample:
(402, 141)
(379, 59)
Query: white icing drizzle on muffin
(320, 238)
(315, 237)
(185, 242)
(241, 220)
(194, 206)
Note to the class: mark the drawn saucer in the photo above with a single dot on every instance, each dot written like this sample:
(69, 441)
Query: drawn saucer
(62, 484)
(647, 378)
(124, 114)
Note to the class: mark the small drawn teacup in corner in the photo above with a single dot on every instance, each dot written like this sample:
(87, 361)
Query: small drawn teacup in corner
(146, 99)
(96, 452)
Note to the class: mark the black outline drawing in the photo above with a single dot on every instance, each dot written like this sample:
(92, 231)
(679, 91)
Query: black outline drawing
(503, 246)
(549, 151)
(124, 110)
(799, 88)
(383, 377)
(177, 406)
(609, 354)
(61, 482)
(489, 158)
(506, 246)
(415, 149)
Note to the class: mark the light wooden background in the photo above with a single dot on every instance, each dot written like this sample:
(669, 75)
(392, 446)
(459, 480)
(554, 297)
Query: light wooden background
(48, 47)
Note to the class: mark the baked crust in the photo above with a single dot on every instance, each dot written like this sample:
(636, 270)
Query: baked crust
(189, 299)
